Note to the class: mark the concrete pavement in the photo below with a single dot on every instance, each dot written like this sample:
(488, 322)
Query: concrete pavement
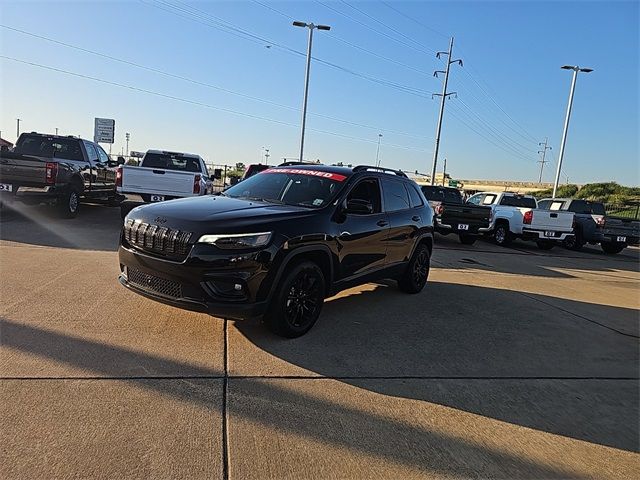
(513, 363)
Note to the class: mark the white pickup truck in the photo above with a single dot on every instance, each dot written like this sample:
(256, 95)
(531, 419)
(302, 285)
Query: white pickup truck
(162, 176)
(517, 216)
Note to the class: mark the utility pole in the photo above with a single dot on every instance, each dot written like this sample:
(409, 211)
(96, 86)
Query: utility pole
(444, 171)
(443, 96)
(378, 151)
(56, 130)
(575, 69)
(18, 120)
(544, 153)
(311, 27)
(266, 156)
(127, 137)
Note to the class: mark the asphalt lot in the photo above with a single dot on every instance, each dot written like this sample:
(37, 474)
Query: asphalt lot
(513, 363)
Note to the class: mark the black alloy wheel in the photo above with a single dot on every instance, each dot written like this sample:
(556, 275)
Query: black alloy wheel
(417, 272)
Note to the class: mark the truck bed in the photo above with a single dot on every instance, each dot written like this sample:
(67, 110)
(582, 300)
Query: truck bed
(151, 181)
(463, 218)
(22, 169)
(616, 227)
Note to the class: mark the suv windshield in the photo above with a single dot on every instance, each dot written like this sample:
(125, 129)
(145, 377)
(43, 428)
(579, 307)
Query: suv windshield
(308, 188)
(67, 148)
(169, 161)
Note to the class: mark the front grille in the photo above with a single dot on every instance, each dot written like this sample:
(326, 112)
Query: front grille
(154, 284)
(153, 238)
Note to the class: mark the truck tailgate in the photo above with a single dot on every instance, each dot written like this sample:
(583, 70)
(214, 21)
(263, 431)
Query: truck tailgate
(157, 181)
(469, 214)
(22, 169)
(623, 227)
(552, 220)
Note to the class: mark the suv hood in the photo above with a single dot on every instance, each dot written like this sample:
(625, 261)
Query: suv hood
(216, 214)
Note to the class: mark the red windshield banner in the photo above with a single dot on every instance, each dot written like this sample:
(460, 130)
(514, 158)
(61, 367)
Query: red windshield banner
(313, 173)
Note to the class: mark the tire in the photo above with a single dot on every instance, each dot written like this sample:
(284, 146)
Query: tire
(611, 248)
(501, 235)
(415, 276)
(544, 245)
(468, 239)
(574, 242)
(297, 303)
(69, 203)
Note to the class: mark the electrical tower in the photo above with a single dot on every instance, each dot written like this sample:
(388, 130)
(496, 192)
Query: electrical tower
(542, 161)
(443, 96)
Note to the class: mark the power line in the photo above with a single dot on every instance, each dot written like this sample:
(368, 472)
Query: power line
(203, 17)
(194, 102)
(386, 4)
(205, 84)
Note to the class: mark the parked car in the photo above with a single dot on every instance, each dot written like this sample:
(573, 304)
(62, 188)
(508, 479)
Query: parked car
(161, 176)
(280, 242)
(453, 215)
(593, 226)
(517, 216)
(62, 170)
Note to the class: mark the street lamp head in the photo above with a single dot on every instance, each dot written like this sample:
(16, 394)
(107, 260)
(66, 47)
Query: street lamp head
(323, 27)
(299, 24)
(568, 67)
(586, 70)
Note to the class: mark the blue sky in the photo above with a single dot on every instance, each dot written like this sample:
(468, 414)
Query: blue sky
(511, 90)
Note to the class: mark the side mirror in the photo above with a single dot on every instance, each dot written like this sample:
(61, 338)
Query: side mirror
(359, 207)
(217, 174)
(121, 161)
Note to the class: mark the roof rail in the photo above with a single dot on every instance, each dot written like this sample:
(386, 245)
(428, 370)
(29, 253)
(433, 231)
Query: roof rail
(296, 162)
(361, 168)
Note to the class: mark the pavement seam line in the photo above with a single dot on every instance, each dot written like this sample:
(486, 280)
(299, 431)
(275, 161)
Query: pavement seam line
(579, 316)
(317, 377)
(225, 390)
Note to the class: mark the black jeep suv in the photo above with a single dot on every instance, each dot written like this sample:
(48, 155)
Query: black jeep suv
(279, 243)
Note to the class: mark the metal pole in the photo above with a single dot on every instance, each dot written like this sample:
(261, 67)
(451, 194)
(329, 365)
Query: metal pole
(441, 114)
(56, 130)
(564, 132)
(444, 171)
(306, 89)
(18, 127)
(544, 153)
(378, 151)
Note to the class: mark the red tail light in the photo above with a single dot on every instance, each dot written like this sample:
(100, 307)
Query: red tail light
(600, 221)
(119, 176)
(196, 184)
(527, 217)
(51, 174)
(439, 209)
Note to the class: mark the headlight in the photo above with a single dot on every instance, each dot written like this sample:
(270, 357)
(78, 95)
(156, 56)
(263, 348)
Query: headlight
(237, 240)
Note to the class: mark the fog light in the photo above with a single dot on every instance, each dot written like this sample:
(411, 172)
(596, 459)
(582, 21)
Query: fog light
(237, 287)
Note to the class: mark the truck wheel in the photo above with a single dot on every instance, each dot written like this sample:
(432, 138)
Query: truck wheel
(297, 302)
(468, 239)
(502, 235)
(544, 245)
(69, 203)
(415, 276)
(612, 248)
(574, 242)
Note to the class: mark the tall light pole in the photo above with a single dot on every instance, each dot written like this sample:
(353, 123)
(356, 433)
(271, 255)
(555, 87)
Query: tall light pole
(311, 28)
(378, 150)
(266, 156)
(444, 172)
(127, 137)
(575, 69)
(18, 120)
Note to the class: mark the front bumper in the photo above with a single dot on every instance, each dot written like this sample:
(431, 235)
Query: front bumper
(229, 285)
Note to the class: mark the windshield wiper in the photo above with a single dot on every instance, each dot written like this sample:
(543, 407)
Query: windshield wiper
(266, 200)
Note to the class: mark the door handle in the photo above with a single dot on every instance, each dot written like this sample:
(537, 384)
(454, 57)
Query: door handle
(382, 223)
(415, 218)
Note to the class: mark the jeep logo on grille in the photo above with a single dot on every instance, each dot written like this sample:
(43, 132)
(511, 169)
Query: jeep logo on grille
(160, 220)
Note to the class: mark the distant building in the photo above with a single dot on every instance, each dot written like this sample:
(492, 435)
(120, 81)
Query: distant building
(5, 143)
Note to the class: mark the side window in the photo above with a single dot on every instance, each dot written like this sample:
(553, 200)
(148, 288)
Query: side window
(476, 199)
(580, 206)
(395, 196)
(414, 197)
(544, 204)
(368, 190)
(103, 155)
(91, 151)
(204, 168)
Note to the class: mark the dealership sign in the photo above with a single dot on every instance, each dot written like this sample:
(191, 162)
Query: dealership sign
(104, 130)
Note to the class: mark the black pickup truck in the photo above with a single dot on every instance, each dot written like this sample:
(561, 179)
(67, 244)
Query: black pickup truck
(63, 170)
(453, 215)
(592, 225)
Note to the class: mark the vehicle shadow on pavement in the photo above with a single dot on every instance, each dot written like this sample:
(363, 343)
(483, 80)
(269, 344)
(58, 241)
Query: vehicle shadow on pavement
(96, 227)
(346, 427)
(505, 355)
